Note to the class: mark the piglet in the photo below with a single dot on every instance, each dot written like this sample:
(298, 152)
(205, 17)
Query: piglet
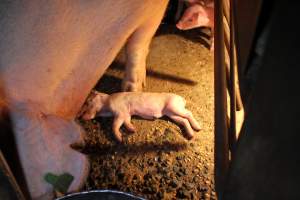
(146, 105)
(200, 13)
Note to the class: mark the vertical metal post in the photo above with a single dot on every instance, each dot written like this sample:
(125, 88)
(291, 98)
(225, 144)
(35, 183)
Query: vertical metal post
(221, 129)
(232, 89)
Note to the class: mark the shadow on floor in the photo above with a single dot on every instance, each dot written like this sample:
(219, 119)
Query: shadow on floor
(115, 82)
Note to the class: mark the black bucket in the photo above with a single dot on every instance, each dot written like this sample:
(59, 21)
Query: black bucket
(100, 195)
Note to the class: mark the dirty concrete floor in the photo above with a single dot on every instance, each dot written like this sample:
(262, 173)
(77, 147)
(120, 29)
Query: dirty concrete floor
(157, 162)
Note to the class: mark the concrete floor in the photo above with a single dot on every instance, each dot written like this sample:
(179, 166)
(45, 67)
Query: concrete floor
(157, 162)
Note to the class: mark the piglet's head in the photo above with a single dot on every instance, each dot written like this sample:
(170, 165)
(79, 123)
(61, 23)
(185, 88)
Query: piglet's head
(100, 100)
(95, 105)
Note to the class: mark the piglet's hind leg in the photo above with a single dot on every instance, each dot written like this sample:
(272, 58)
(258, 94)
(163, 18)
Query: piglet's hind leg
(185, 123)
(189, 116)
(177, 107)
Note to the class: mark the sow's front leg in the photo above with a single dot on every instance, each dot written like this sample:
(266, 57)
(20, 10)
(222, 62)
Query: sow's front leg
(137, 49)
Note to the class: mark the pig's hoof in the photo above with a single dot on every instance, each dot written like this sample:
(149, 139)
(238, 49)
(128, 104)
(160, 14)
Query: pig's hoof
(43, 143)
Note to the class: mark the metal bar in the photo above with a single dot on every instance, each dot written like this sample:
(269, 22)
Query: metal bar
(10, 177)
(221, 129)
(232, 89)
(239, 102)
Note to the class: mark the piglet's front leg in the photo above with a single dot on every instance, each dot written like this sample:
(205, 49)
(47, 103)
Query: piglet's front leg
(99, 104)
(119, 120)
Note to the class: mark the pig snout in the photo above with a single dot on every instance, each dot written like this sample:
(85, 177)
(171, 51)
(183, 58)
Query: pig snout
(195, 16)
(198, 14)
